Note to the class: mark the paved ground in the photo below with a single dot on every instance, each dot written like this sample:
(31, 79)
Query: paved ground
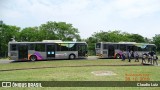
(92, 58)
(6, 61)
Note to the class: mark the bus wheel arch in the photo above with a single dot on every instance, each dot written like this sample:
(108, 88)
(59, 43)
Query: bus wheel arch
(72, 56)
(118, 56)
(33, 58)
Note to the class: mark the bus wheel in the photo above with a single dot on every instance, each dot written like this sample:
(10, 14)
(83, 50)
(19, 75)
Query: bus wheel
(118, 56)
(71, 56)
(33, 58)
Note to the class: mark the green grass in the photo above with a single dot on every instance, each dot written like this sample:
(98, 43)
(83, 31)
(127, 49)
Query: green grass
(63, 63)
(76, 70)
(79, 73)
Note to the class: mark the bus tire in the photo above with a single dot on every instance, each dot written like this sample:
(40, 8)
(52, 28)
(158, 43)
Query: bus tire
(72, 56)
(33, 57)
(118, 56)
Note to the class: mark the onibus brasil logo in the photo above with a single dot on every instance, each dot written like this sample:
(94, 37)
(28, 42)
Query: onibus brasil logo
(21, 84)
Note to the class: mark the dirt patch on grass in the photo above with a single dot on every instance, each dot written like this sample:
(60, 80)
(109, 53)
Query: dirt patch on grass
(103, 73)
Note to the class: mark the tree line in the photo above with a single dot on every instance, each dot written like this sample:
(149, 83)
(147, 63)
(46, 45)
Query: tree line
(66, 32)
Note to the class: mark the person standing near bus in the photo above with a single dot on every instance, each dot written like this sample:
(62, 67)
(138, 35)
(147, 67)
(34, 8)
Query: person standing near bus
(144, 55)
(136, 56)
(129, 56)
(151, 53)
(123, 56)
(155, 58)
(132, 54)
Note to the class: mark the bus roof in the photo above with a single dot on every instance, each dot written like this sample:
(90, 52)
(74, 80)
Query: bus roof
(133, 43)
(45, 42)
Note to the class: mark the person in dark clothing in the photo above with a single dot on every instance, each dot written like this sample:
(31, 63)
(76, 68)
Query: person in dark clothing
(152, 53)
(155, 58)
(150, 56)
(136, 56)
(132, 54)
(123, 56)
(129, 56)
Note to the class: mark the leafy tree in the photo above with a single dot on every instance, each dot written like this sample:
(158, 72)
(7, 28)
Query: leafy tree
(147, 40)
(136, 38)
(156, 41)
(59, 30)
(48, 31)
(29, 34)
(7, 33)
(91, 45)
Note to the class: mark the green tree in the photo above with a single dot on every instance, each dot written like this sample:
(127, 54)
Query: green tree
(48, 31)
(111, 36)
(29, 34)
(136, 38)
(59, 30)
(148, 40)
(91, 45)
(7, 33)
(156, 41)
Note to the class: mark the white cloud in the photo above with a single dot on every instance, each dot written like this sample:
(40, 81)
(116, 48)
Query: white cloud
(131, 9)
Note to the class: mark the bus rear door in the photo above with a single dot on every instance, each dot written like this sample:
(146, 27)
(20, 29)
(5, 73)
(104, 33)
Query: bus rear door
(82, 50)
(111, 51)
(23, 52)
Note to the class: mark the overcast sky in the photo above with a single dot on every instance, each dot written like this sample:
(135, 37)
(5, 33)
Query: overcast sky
(89, 16)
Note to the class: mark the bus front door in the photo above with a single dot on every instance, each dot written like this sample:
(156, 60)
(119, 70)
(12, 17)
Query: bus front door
(23, 52)
(50, 51)
(111, 51)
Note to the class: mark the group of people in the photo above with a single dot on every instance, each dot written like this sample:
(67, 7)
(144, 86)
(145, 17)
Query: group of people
(130, 55)
(151, 56)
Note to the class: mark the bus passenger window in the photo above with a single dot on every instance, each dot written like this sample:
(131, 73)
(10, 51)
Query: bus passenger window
(64, 47)
(40, 47)
(31, 47)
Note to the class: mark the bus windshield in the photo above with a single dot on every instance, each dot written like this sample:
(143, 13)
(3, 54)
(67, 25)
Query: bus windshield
(98, 45)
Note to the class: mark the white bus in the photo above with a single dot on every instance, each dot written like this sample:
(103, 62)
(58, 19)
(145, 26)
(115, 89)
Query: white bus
(47, 49)
(114, 50)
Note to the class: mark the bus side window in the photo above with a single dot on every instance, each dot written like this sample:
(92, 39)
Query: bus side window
(31, 47)
(115, 46)
(72, 47)
(58, 47)
(40, 47)
(123, 47)
(64, 47)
